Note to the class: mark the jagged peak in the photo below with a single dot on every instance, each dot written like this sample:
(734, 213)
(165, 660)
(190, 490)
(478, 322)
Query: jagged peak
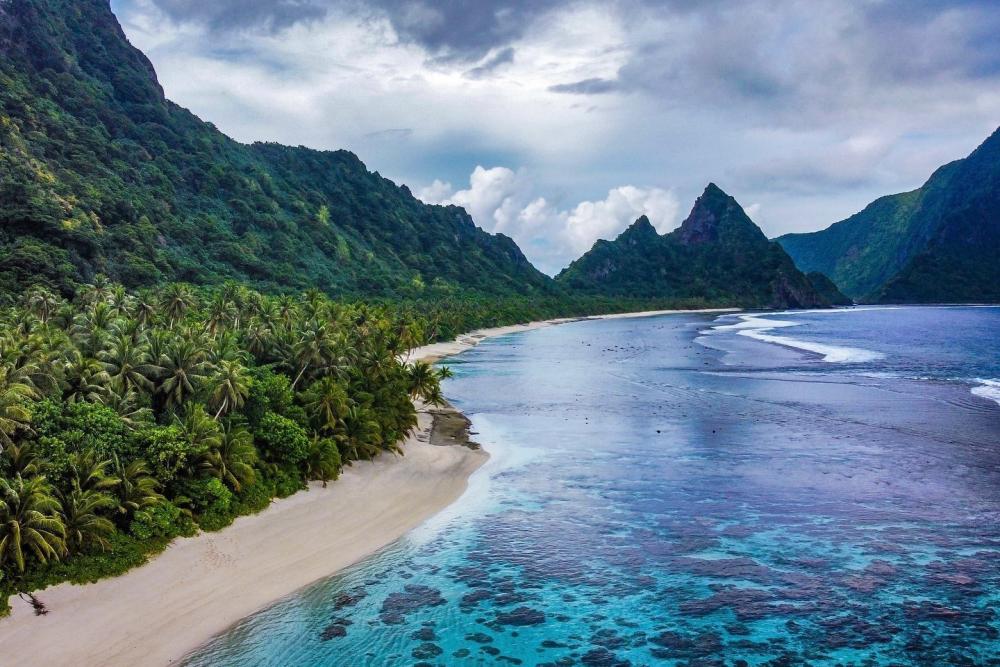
(639, 232)
(713, 214)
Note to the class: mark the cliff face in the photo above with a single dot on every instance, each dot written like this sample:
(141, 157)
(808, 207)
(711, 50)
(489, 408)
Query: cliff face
(938, 243)
(717, 256)
(100, 173)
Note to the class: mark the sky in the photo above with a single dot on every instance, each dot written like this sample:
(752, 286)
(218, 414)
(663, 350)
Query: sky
(559, 122)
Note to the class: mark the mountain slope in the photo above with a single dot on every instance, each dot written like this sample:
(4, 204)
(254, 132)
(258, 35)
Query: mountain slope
(100, 173)
(717, 255)
(937, 243)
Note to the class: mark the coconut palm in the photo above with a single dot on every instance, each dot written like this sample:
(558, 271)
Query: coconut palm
(201, 431)
(361, 432)
(128, 364)
(89, 473)
(323, 462)
(229, 387)
(15, 415)
(145, 310)
(184, 368)
(423, 379)
(313, 349)
(232, 460)
(86, 379)
(21, 459)
(120, 301)
(178, 299)
(83, 525)
(43, 303)
(326, 403)
(135, 489)
(126, 404)
(29, 522)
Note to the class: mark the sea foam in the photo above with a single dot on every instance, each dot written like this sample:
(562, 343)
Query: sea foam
(756, 327)
(989, 389)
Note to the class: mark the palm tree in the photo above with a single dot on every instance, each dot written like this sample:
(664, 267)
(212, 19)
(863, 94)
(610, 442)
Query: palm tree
(361, 432)
(287, 309)
(21, 459)
(229, 387)
(81, 521)
(145, 311)
(233, 459)
(43, 303)
(184, 367)
(326, 403)
(259, 339)
(135, 489)
(323, 462)
(86, 379)
(178, 299)
(29, 523)
(87, 472)
(14, 412)
(423, 379)
(120, 301)
(313, 348)
(200, 430)
(126, 404)
(128, 365)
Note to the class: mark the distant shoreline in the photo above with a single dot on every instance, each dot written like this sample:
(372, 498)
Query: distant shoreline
(200, 586)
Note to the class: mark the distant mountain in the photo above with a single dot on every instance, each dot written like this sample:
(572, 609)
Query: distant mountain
(100, 173)
(939, 243)
(717, 255)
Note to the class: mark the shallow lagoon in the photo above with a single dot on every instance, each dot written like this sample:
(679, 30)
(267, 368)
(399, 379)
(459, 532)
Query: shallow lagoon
(666, 492)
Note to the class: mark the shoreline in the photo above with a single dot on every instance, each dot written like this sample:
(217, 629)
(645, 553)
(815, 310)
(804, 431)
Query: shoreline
(200, 586)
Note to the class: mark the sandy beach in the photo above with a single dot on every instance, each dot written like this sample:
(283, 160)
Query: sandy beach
(200, 586)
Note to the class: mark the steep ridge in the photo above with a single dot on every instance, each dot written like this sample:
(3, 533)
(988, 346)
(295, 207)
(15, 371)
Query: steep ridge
(717, 255)
(100, 173)
(935, 244)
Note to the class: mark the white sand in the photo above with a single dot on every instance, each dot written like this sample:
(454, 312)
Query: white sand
(200, 586)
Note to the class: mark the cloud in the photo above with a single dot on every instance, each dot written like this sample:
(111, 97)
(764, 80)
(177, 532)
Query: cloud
(240, 14)
(503, 200)
(592, 86)
(491, 63)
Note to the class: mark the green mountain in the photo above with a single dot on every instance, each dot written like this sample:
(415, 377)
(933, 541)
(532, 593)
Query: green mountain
(939, 243)
(99, 173)
(717, 255)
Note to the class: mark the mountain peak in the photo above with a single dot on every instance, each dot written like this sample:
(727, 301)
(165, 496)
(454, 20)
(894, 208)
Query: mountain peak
(716, 215)
(640, 231)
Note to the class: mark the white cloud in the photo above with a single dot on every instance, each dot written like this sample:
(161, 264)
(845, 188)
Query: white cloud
(503, 200)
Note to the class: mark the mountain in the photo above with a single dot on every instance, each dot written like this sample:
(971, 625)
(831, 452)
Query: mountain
(939, 243)
(718, 256)
(100, 173)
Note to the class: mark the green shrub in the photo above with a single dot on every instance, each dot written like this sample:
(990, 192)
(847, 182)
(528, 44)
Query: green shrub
(163, 520)
(282, 440)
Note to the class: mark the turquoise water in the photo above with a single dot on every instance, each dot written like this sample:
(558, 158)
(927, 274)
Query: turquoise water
(672, 491)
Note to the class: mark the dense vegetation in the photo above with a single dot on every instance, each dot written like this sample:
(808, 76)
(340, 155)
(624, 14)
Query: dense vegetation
(938, 243)
(717, 254)
(128, 420)
(99, 173)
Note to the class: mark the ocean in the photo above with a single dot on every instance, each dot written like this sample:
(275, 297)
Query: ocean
(803, 487)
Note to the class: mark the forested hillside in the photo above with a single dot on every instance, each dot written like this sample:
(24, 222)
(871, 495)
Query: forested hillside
(939, 243)
(100, 174)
